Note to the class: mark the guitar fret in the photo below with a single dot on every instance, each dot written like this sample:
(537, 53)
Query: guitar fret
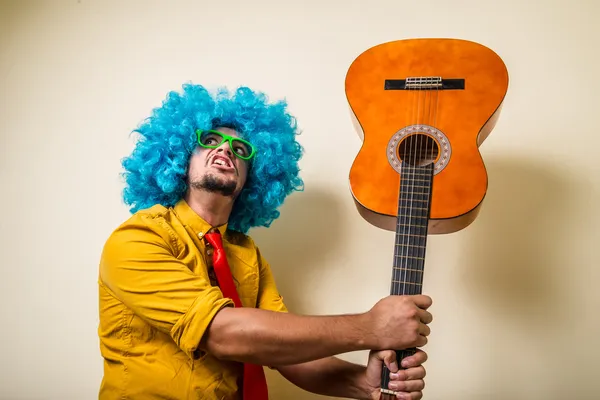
(409, 211)
(420, 229)
(409, 235)
(412, 221)
(405, 191)
(407, 269)
(415, 189)
(413, 254)
(403, 225)
(410, 225)
(411, 174)
(410, 276)
(416, 180)
(407, 283)
(405, 248)
(410, 257)
(411, 245)
(417, 198)
(419, 186)
(419, 208)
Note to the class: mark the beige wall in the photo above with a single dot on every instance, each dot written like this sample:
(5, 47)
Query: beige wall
(515, 295)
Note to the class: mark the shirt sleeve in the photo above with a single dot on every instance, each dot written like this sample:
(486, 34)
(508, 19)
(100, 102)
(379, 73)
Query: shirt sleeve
(139, 267)
(269, 297)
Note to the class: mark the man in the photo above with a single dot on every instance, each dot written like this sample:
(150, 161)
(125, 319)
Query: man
(173, 324)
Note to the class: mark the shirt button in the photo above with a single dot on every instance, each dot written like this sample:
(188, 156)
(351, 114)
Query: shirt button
(200, 234)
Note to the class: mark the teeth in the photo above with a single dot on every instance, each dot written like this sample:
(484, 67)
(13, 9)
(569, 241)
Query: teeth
(219, 162)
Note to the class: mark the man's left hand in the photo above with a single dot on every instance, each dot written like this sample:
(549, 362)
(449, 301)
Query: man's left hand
(408, 383)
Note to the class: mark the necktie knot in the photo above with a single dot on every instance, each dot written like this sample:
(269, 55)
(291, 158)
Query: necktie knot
(215, 240)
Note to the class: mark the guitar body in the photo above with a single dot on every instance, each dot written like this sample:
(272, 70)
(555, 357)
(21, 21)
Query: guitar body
(423, 107)
(463, 113)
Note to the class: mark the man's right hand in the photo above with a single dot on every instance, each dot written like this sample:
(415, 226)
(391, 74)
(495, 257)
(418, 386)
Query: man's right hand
(400, 322)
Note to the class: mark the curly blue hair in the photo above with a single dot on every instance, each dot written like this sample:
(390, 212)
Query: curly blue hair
(155, 172)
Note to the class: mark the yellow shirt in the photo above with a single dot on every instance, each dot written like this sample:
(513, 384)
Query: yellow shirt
(156, 301)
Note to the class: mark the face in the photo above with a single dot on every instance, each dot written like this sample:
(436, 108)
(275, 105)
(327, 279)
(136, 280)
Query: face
(218, 170)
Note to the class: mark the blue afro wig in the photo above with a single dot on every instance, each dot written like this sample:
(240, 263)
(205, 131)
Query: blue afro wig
(155, 172)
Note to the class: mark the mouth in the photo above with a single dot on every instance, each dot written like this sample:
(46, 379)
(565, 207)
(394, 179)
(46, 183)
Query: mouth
(222, 163)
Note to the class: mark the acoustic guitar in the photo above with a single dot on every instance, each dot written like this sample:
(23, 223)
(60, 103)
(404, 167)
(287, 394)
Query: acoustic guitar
(422, 108)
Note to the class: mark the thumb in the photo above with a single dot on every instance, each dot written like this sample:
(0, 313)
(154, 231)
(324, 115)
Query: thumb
(387, 357)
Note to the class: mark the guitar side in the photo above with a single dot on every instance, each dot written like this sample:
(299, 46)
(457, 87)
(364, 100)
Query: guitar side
(458, 118)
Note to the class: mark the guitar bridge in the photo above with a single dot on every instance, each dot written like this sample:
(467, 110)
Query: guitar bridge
(424, 83)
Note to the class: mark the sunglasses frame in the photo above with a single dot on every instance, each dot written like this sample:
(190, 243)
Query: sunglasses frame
(226, 138)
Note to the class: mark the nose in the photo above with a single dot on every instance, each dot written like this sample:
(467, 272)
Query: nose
(224, 148)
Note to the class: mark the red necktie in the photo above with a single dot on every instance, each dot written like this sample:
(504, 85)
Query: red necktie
(255, 383)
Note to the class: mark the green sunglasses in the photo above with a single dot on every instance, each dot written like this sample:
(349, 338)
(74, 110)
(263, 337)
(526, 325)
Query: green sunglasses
(211, 139)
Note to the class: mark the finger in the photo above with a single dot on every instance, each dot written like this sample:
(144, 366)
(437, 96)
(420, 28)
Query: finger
(409, 374)
(422, 301)
(387, 357)
(425, 316)
(421, 341)
(424, 330)
(407, 386)
(415, 360)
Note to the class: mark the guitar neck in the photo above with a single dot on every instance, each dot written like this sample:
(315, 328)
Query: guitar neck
(414, 204)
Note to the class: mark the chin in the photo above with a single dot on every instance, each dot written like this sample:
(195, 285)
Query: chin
(216, 183)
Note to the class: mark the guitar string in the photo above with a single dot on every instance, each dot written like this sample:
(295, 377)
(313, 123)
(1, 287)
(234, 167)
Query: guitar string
(397, 261)
(421, 165)
(394, 289)
(410, 195)
(430, 159)
(404, 274)
(409, 230)
(430, 175)
(421, 120)
(403, 222)
(409, 261)
(407, 218)
(421, 156)
(411, 192)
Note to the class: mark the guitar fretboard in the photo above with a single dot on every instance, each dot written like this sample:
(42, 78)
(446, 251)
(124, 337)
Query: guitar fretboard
(411, 229)
(411, 240)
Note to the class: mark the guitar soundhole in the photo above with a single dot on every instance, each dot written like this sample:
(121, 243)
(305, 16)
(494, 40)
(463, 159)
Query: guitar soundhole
(418, 150)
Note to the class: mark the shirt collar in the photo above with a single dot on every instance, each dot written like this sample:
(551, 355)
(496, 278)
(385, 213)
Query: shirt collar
(191, 219)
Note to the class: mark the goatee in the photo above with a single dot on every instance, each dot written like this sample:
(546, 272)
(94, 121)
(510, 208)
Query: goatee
(212, 184)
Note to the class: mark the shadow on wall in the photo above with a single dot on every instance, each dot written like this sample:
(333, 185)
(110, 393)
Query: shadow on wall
(521, 261)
